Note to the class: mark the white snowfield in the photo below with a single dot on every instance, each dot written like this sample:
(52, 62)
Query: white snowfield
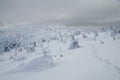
(56, 52)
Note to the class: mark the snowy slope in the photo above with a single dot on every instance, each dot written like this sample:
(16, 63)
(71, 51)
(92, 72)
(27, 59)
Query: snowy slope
(56, 52)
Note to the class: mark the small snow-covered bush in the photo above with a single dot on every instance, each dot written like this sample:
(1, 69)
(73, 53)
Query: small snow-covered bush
(7, 44)
(74, 45)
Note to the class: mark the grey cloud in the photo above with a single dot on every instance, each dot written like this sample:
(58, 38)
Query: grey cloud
(62, 11)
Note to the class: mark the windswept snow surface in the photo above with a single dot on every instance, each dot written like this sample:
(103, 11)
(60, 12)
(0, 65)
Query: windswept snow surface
(43, 52)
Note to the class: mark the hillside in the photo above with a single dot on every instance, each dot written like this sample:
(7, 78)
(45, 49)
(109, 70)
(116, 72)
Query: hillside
(57, 52)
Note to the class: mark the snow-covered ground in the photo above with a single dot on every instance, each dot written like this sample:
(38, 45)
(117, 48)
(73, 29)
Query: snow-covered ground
(56, 52)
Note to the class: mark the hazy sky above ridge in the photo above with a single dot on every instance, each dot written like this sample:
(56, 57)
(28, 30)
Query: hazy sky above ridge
(84, 12)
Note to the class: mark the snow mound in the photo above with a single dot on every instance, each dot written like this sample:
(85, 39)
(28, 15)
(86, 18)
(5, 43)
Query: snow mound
(36, 65)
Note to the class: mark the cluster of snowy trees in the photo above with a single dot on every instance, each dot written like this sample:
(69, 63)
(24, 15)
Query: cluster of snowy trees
(31, 37)
(113, 31)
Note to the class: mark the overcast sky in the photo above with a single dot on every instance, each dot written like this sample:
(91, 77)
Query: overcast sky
(84, 12)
